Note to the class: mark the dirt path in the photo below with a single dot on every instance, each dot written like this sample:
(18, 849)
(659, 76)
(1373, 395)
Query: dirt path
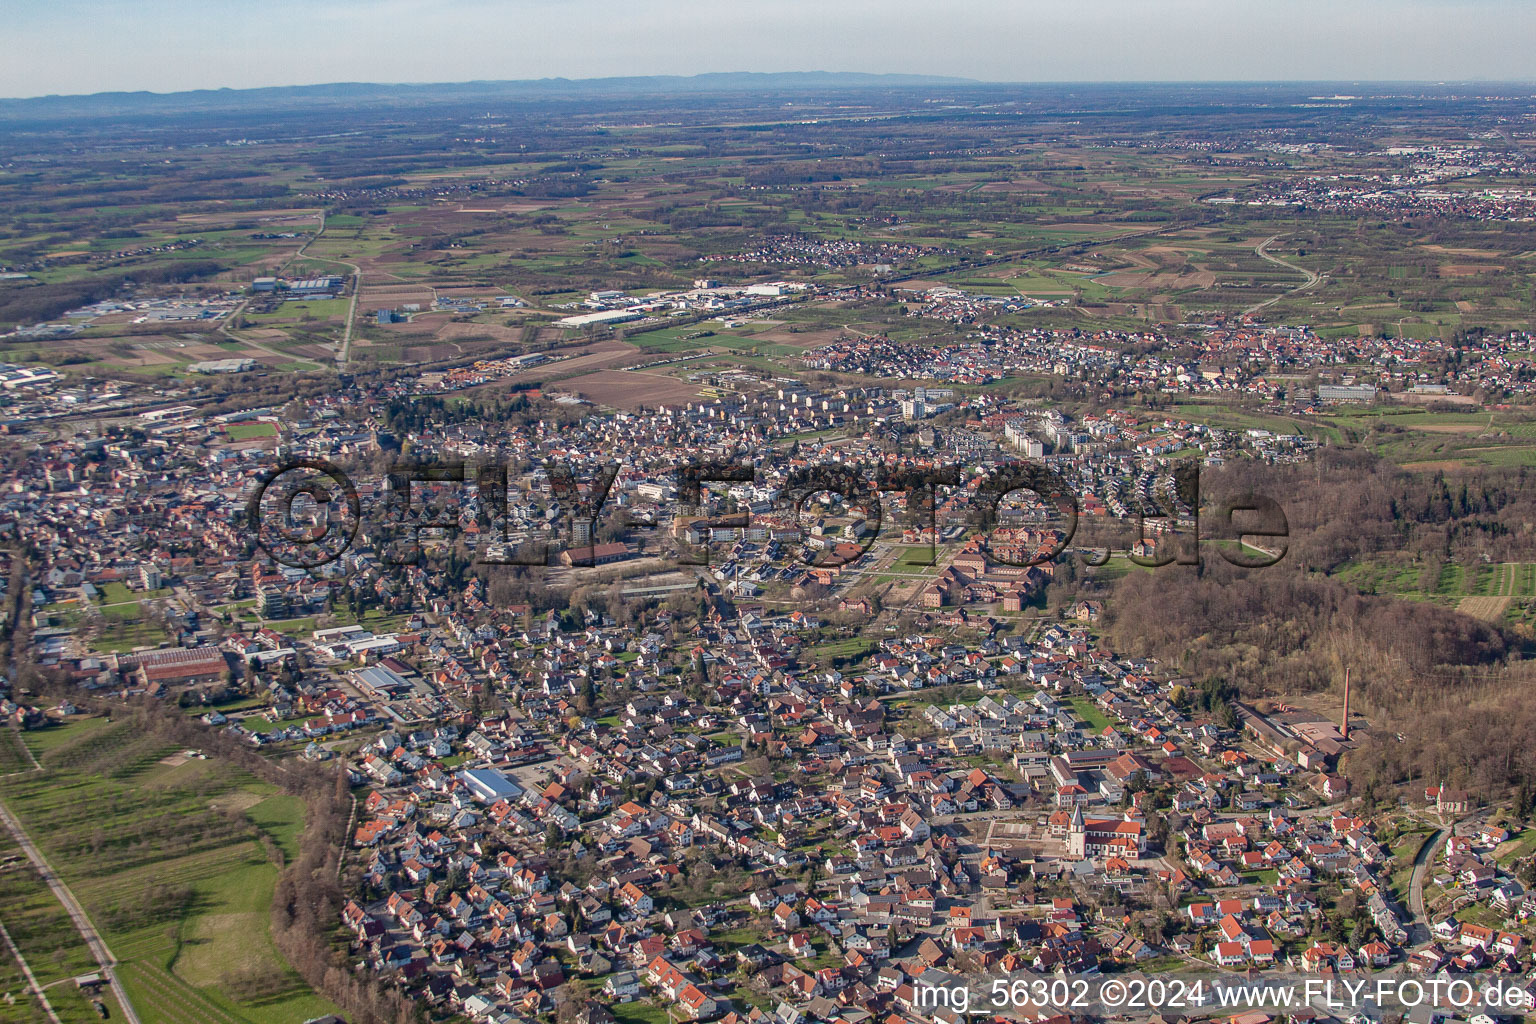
(16, 739)
(26, 970)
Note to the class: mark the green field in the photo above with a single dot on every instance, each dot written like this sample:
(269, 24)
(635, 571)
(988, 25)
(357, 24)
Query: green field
(851, 647)
(1089, 712)
(118, 593)
(1439, 440)
(173, 860)
(1494, 591)
(919, 559)
(1450, 581)
(247, 431)
(13, 756)
(640, 1012)
(46, 937)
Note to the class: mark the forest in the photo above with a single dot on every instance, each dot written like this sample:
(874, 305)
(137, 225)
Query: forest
(1447, 694)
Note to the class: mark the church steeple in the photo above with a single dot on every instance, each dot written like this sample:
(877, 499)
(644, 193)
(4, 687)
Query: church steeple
(1077, 834)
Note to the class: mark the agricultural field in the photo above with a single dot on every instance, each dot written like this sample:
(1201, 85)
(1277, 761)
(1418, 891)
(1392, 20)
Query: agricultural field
(43, 933)
(630, 389)
(13, 753)
(175, 858)
(1122, 236)
(1429, 441)
(1492, 591)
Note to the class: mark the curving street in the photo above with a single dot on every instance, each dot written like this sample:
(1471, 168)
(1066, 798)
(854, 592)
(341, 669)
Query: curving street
(1418, 928)
(1312, 278)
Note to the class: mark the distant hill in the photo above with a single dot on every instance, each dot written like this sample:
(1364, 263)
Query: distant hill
(113, 104)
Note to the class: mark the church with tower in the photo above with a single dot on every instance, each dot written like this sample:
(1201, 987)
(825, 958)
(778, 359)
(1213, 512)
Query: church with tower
(1095, 838)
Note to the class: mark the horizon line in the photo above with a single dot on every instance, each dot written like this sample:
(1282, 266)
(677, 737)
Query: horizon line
(914, 79)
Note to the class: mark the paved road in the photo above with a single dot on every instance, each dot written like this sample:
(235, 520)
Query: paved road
(1418, 927)
(357, 286)
(228, 332)
(76, 913)
(341, 358)
(1311, 280)
(249, 342)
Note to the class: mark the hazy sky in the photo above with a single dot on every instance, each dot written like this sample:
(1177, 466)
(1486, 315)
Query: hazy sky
(83, 46)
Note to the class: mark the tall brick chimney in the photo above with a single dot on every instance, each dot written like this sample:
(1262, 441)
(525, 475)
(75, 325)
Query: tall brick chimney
(1344, 721)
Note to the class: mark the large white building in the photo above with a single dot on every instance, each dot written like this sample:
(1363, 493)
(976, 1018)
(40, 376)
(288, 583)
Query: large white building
(1018, 435)
(607, 316)
(489, 785)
